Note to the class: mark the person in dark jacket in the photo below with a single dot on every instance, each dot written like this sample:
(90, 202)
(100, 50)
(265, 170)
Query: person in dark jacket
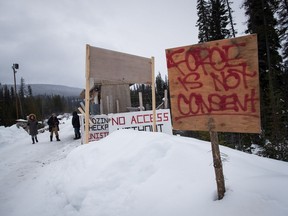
(33, 127)
(76, 125)
(53, 123)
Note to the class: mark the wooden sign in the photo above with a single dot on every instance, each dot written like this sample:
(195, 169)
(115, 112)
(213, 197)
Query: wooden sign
(107, 66)
(141, 121)
(216, 81)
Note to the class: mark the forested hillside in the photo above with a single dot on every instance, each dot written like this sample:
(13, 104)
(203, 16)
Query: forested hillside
(45, 100)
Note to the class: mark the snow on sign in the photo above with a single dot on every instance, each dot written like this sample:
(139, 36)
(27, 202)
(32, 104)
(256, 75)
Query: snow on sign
(218, 81)
(141, 121)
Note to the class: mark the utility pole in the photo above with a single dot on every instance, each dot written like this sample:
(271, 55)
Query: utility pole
(15, 67)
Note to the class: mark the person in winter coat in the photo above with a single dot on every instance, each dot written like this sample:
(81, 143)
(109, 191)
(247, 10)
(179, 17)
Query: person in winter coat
(33, 127)
(53, 123)
(76, 125)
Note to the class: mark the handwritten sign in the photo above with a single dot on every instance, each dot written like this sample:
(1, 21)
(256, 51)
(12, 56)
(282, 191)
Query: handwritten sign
(141, 121)
(98, 127)
(102, 125)
(216, 81)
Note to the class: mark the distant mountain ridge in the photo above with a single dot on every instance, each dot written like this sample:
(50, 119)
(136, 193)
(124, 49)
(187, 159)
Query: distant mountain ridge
(50, 89)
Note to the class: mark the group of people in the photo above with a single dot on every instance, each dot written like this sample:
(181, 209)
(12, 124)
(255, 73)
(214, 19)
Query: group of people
(53, 124)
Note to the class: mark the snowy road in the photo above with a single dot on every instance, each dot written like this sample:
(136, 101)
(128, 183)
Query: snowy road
(21, 162)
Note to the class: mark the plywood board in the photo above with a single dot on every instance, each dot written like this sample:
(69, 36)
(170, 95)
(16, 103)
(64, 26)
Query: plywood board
(114, 93)
(107, 66)
(216, 81)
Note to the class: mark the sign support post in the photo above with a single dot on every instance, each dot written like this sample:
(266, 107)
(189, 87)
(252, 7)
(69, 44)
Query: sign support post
(217, 163)
(153, 94)
(87, 95)
(140, 101)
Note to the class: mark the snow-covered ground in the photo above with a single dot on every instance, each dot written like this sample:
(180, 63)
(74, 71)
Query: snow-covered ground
(133, 173)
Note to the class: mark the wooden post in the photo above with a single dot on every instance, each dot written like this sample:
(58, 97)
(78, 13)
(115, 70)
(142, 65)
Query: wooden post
(117, 106)
(101, 106)
(140, 101)
(153, 94)
(87, 95)
(111, 104)
(217, 163)
(96, 99)
(165, 99)
(107, 104)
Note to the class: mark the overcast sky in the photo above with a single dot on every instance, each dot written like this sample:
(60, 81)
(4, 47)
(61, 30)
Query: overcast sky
(47, 38)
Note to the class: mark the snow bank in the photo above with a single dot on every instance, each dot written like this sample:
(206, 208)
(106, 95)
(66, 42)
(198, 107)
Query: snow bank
(133, 173)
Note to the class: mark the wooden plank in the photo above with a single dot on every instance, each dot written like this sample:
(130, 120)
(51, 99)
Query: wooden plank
(110, 67)
(218, 80)
(165, 99)
(87, 95)
(111, 93)
(153, 94)
(140, 101)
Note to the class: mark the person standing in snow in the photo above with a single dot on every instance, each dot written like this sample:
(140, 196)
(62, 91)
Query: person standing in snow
(33, 127)
(53, 123)
(76, 125)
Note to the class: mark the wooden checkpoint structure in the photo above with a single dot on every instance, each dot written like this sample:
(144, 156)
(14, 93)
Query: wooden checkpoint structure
(214, 87)
(110, 69)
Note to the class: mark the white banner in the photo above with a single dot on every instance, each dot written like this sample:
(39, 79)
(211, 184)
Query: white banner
(99, 127)
(141, 121)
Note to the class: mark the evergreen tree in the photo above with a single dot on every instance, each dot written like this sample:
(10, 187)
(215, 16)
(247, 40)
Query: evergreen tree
(159, 89)
(58, 104)
(30, 91)
(8, 113)
(134, 95)
(214, 17)
(22, 89)
(1, 104)
(230, 11)
(203, 22)
(219, 20)
(282, 12)
(261, 20)
(21, 96)
(147, 96)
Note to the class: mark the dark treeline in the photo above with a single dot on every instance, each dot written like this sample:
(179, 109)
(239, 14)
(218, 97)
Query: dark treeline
(41, 105)
(269, 20)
